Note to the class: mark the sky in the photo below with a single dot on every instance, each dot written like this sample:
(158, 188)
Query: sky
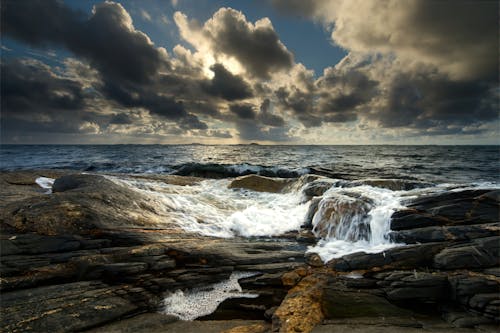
(265, 71)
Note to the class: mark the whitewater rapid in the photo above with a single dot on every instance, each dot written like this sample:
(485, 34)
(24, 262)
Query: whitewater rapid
(211, 208)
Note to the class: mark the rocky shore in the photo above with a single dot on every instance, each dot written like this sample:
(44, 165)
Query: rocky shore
(97, 256)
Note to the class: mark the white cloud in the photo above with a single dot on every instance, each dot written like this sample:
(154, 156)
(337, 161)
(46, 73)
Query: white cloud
(145, 15)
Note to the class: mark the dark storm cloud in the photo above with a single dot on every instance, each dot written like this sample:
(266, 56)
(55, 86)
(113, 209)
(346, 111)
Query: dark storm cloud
(436, 103)
(226, 85)
(259, 49)
(106, 39)
(342, 92)
(460, 36)
(30, 87)
(256, 46)
(301, 103)
(121, 119)
(435, 71)
(267, 118)
(243, 111)
(127, 60)
(250, 130)
(192, 122)
(37, 100)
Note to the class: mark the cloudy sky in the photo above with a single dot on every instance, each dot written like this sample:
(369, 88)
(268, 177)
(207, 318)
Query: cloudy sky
(268, 71)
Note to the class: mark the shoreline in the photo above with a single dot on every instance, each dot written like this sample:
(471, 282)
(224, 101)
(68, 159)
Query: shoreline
(89, 260)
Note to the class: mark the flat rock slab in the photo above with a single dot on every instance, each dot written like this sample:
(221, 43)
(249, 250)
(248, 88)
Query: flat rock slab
(62, 308)
(159, 323)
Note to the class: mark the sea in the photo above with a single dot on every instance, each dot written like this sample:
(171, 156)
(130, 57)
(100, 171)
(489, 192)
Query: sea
(440, 164)
(212, 208)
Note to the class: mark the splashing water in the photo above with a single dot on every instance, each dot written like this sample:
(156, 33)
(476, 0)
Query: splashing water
(199, 302)
(210, 208)
(361, 222)
(45, 183)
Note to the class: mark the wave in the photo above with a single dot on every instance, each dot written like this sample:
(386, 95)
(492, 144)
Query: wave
(213, 170)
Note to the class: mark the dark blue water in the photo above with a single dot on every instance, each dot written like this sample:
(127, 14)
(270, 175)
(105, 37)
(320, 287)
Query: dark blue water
(440, 164)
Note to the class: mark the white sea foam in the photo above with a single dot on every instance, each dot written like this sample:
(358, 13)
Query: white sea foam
(385, 203)
(45, 183)
(211, 208)
(198, 302)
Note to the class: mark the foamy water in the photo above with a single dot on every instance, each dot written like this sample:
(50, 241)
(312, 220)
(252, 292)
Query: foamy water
(210, 208)
(45, 183)
(198, 302)
(385, 202)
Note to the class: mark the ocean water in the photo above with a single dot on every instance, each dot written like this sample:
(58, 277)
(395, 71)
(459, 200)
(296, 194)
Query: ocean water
(440, 164)
(211, 208)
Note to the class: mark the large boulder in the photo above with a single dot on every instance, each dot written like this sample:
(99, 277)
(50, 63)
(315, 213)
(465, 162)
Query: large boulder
(449, 208)
(85, 204)
(343, 216)
(261, 183)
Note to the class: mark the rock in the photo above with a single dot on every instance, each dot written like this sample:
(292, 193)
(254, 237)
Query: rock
(327, 172)
(392, 184)
(147, 322)
(495, 271)
(449, 208)
(32, 244)
(306, 236)
(21, 185)
(168, 179)
(84, 205)
(481, 253)
(255, 328)
(290, 279)
(301, 309)
(445, 233)
(124, 268)
(314, 260)
(481, 301)
(410, 256)
(423, 287)
(270, 312)
(94, 252)
(63, 308)
(267, 279)
(343, 216)
(464, 319)
(317, 188)
(311, 211)
(260, 183)
(338, 303)
(270, 268)
(464, 286)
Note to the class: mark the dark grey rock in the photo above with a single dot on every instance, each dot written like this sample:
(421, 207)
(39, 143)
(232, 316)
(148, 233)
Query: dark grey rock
(449, 208)
(410, 256)
(465, 286)
(481, 253)
(480, 301)
(419, 286)
(62, 308)
(391, 184)
(313, 208)
(446, 233)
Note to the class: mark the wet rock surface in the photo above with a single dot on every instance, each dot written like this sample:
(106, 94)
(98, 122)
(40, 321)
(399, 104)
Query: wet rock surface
(261, 183)
(95, 255)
